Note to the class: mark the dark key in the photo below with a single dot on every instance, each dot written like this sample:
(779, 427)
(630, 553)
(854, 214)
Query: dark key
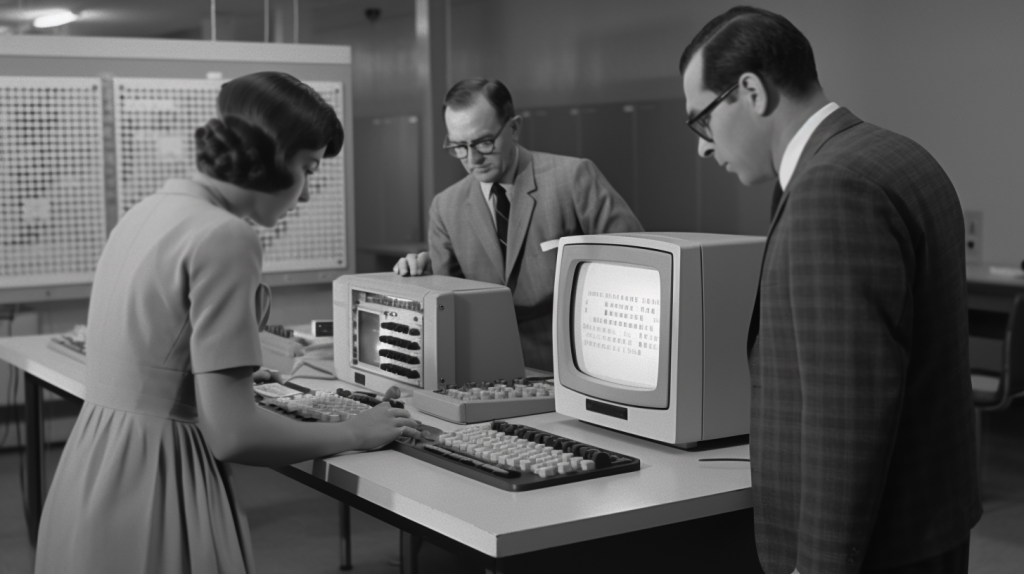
(600, 458)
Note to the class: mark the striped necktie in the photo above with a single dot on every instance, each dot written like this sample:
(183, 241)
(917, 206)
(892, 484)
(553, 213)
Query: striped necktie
(501, 215)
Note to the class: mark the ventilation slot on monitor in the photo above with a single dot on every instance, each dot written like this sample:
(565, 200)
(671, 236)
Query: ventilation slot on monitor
(606, 409)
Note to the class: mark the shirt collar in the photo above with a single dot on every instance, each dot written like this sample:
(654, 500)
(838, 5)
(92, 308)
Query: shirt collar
(796, 145)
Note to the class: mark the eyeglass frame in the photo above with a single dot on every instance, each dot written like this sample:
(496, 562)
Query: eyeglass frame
(706, 113)
(451, 147)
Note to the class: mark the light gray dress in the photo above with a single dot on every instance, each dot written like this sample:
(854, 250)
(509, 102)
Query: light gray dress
(177, 292)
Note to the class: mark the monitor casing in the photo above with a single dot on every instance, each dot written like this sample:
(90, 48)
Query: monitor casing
(703, 387)
(468, 330)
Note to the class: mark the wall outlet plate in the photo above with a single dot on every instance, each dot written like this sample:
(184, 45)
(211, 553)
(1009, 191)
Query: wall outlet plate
(973, 235)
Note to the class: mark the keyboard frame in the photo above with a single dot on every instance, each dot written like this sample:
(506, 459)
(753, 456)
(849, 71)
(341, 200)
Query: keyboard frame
(526, 480)
(67, 349)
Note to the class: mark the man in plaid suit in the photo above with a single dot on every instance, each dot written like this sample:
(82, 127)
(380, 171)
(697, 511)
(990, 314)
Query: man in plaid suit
(861, 435)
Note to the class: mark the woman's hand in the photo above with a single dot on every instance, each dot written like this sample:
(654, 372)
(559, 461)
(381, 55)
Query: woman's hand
(376, 427)
(267, 376)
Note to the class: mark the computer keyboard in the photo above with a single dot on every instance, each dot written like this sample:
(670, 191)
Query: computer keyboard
(304, 404)
(488, 401)
(70, 344)
(516, 457)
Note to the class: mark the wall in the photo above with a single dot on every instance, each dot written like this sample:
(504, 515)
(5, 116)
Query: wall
(942, 73)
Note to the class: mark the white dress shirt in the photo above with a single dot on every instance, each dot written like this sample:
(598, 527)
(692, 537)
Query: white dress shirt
(796, 145)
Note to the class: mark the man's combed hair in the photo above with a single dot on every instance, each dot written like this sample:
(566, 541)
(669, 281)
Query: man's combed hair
(746, 39)
(462, 95)
(264, 119)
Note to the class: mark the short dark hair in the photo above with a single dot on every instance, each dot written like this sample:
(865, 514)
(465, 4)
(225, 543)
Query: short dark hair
(466, 91)
(264, 119)
(746, 39)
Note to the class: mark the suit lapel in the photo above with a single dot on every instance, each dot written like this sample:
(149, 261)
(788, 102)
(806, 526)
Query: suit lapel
(521, 211)
(838, 121)
(480, 221)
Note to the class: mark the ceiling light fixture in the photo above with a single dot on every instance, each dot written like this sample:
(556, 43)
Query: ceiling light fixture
(54, 19)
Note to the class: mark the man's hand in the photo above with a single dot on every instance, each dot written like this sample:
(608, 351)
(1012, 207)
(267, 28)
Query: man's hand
(413, 264)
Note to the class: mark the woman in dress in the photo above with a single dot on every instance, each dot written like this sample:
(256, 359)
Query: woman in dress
(174, 316)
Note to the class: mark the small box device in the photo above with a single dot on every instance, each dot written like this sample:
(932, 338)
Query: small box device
(426, 332)
(322, 328)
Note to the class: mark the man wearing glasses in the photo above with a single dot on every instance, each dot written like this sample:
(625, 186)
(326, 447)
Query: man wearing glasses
(862, 433)
(490, 225)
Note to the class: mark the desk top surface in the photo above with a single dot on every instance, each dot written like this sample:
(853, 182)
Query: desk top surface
(32, 355)
(671, 485)
(985, 274)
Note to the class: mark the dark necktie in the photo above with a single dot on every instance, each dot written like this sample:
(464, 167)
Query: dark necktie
(776, 198)
(501, 215)
(755, 318)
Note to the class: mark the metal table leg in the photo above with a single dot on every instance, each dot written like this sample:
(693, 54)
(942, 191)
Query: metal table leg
(409, 552)
(344, 514)
(34, 454)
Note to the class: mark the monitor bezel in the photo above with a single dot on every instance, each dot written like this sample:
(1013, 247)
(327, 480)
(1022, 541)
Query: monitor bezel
(572, 257)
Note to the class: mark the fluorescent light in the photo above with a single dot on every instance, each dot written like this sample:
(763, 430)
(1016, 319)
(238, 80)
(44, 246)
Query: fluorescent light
(55, 18)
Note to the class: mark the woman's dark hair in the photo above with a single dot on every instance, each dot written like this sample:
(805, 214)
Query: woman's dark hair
(264, 119)
(462, 95)
(746, 39)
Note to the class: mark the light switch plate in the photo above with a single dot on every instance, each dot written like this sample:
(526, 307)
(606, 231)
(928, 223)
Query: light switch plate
(973, 235)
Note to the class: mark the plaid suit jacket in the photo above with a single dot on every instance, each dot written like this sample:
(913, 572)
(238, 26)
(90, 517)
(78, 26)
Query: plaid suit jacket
(862, 433)
(554, 196)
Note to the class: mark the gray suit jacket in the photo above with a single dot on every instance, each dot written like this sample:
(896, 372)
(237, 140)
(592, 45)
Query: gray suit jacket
(554, 196)
(862, 434)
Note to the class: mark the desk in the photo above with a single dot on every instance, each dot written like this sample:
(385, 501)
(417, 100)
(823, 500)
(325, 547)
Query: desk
(989, 298)
(674, 509)
(989, 292)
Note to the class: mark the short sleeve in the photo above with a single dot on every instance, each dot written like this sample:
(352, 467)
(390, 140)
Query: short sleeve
(224, 291)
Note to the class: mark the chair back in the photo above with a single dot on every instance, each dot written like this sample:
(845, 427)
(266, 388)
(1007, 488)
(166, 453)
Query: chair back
(1011, 384)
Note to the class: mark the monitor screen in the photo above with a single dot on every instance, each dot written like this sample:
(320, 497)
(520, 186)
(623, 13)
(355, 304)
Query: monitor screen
(650, 332)
(368, 338)
(615, 327)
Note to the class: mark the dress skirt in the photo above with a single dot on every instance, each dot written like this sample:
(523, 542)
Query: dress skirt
(140, 493)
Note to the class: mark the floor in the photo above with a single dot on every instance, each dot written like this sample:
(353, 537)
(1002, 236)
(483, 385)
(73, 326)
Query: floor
(295, 529)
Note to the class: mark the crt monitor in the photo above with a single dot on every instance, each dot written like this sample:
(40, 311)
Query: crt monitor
(650, 333)
(427, 332)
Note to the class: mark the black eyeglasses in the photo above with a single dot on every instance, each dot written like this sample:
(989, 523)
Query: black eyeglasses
(483, 146)
(700, 123)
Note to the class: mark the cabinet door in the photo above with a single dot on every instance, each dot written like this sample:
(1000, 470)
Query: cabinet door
(666, 167)
(387, 181)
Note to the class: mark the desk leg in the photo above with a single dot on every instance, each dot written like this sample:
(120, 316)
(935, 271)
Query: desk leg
(409, 552)
(34, 454)
(345, 516)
